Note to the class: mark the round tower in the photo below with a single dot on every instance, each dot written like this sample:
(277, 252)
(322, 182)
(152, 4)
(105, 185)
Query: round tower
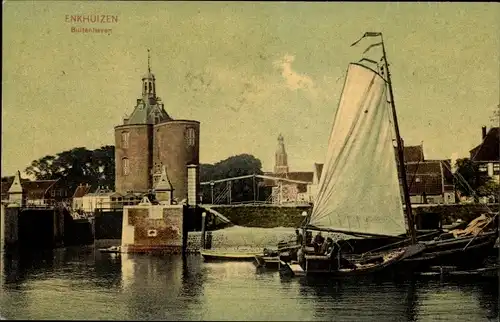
(133, 159)
(176, 144)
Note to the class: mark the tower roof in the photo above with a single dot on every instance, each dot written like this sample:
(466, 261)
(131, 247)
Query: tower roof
(147, 113)
(149, 108)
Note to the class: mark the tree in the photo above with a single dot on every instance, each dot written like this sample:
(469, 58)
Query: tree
(489, 189)
(477, 183)
(235, 166)
(77, 166)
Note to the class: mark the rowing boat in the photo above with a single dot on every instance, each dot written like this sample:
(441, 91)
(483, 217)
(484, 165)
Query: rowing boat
(221, 255)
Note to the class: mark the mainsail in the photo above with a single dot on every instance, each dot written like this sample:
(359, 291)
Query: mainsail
(359, 188)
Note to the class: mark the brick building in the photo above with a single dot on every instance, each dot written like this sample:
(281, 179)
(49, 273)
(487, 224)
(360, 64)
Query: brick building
(150, 139)
(487, 153)
(429, 181)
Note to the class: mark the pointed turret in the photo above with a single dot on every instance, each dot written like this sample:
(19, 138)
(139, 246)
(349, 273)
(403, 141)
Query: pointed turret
(164, 190)
(16, 190)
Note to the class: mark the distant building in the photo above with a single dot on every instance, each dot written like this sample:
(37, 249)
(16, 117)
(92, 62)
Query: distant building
(149, 139)
(487, 153)
(297, 186)
(105, 199)
(78, 195)
(313, 187)
(429, 181)
(37, 193)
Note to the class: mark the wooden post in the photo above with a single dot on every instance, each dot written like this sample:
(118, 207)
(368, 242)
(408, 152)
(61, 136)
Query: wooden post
(203, 229)
(254, 192)
(212, 191)
(185, 230)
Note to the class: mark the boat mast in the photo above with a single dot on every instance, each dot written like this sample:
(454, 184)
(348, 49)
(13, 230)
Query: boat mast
(399, 142)
(400, 149)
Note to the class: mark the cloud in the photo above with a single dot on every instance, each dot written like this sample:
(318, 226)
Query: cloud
(293, 80)
(241, 88)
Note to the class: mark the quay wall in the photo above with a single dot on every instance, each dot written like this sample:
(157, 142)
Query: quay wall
(264, 216)
(275, 223)
(270, 216)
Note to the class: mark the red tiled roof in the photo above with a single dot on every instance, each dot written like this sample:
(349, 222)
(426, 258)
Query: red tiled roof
(414, 153)
(81, 191)
(37, 189)
(428, 177)
(488, 149)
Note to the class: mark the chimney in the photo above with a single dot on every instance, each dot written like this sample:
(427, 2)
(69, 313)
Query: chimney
(483, 130)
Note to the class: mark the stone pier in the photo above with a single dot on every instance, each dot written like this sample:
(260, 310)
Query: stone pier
(9, 226)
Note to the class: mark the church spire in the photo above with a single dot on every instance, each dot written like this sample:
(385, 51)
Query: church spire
(281, 159)
(149, 61)
(149, 82)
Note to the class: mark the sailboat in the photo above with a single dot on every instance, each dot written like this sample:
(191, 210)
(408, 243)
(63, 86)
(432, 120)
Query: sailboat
(363, 186)
(360, 190)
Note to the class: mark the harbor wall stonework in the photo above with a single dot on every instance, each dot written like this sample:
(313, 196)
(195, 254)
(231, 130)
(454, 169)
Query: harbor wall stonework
(269, 216)
(245, 238)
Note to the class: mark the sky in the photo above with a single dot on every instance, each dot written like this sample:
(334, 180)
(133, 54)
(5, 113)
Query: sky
(247, 71)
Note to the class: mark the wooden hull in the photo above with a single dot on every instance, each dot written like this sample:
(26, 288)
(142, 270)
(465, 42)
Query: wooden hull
(221, 256)
(320, 265)
(268, 262)
(460, 252)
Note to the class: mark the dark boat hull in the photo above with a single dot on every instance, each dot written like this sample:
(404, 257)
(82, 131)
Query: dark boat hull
(462, 253)
(318, 265)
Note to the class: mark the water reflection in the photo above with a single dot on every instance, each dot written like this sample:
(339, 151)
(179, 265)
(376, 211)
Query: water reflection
(78, 283)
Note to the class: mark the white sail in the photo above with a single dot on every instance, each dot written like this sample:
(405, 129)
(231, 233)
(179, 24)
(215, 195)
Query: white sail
(359, 188)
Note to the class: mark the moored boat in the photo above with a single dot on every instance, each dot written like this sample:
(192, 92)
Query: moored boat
(359, 192)
(111, 250)
(223, 255)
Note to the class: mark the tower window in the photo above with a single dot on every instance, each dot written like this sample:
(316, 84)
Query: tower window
(190, 137)
(145, 87)
(125, 167)
(125, 139)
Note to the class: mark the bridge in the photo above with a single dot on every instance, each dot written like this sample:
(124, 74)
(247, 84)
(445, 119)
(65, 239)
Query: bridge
(225, 194)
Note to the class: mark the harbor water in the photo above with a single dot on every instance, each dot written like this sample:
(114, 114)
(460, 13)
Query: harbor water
(81, 283)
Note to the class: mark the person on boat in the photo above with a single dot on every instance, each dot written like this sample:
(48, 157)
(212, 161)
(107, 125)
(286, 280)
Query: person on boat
(309, 238)
(318, 242)
(301, 256)
(299, 237)
(327, 246)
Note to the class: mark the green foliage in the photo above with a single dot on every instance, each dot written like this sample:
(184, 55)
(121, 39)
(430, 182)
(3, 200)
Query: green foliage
(76, 166)
(97, 168)
(235, 166)
(489, 189)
